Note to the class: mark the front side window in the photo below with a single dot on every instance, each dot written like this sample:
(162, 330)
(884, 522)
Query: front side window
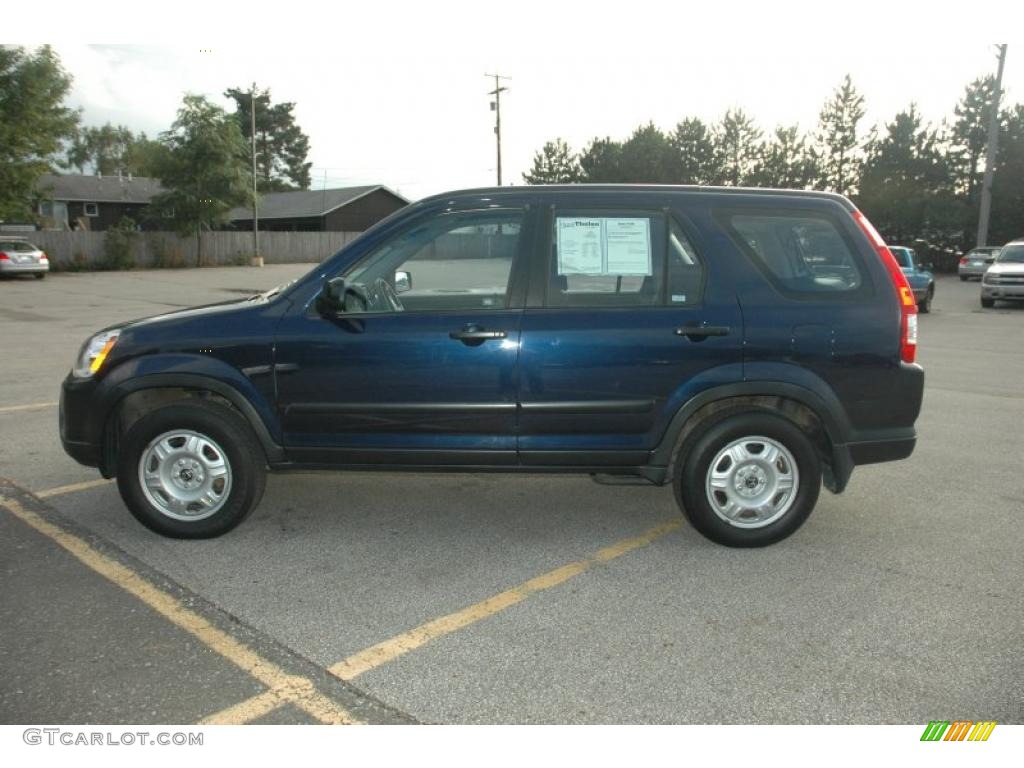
(457, 261)
(802, 253)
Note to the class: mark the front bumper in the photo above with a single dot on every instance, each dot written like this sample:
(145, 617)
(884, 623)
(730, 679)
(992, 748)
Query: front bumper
(81, 438)
(27, 268)
(1012, 292)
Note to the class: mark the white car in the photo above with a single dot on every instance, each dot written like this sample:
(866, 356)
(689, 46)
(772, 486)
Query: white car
(19, 257)
(1004, 280)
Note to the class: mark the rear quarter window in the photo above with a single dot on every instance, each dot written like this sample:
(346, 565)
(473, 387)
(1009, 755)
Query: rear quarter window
(803, 254)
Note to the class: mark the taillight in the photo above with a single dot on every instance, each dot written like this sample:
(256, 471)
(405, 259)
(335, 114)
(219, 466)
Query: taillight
(4, 256)
(43, 256)
(963, 260)
(908, 306)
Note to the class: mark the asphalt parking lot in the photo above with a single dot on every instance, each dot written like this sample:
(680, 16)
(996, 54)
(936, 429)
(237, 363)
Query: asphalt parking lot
(454, 598)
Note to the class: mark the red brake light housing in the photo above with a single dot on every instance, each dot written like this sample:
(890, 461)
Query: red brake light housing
(908, 305)
(963, 259)
(4, 256)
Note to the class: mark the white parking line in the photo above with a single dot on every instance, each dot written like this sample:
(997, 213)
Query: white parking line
(61, 489)
(28, 407)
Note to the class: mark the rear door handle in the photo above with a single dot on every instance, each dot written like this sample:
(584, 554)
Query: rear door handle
(703, 331)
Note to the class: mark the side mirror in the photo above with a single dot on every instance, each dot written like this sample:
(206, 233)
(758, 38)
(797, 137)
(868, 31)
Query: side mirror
(403, 282)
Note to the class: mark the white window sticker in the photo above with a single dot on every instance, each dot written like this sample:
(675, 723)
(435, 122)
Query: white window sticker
(619, 247)
(628, 246)
(580, 246)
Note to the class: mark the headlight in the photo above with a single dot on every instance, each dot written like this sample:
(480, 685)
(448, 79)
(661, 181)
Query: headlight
(94, 352)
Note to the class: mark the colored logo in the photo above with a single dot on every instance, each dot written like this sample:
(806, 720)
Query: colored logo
(958, 730)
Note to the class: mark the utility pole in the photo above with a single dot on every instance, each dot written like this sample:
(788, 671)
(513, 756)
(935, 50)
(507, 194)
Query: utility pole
(257, 261)
(496, 108)
(990, 153)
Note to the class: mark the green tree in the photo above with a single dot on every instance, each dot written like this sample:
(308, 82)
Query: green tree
(839, 145)
(786, 161)
(969, 134)
(907, 188)
(34, 123)
(205, 169)
(1007, 219)
(647, 157)
(554, 164)
(601, 161)
(737, 142)
(109, 150)
(281, 146)
(696, 161)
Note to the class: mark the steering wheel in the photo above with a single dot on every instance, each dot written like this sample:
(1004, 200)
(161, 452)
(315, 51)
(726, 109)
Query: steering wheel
(389, 296)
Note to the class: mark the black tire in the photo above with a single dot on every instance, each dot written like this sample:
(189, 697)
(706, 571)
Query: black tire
(926, 306)
(40, 275)
(693, 465)
(963, 278)
(230, 432)
(987, 303)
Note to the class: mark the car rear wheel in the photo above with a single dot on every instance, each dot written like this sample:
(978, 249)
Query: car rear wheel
(749, 480)
(192, 470)
(926, 305)
(40, 275)
(963, 278)
(988, 303)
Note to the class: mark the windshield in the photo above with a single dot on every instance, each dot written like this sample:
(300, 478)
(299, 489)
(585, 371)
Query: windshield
(1012, 254)
(17, 245)
(978, 253)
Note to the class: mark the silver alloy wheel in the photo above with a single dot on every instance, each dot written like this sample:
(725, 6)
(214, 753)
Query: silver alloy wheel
(752, 482)
(185, 475)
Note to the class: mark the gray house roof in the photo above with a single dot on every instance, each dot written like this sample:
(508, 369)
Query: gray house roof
(97, 189)
(307, 203)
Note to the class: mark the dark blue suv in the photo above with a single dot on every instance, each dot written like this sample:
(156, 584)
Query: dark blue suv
(741, 345)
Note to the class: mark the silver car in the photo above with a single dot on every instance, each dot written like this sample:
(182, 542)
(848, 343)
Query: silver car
(976, 262)
(1004, 280)
(19, 257)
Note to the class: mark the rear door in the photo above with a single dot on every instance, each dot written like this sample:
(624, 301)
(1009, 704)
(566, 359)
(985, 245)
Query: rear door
(626, 319)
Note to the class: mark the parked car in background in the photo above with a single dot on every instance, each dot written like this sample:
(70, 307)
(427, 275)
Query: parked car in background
(920, 277)
(1004, 280)
(19, 257)
(976, 261)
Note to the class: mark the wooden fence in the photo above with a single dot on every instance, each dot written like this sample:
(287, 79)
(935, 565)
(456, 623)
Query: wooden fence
(87, 250)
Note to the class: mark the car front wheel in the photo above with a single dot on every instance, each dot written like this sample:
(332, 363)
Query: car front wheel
(191, 470)
(750, 480)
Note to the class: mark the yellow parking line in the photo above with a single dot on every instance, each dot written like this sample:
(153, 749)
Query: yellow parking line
(296, 689)
(28, 407)
(397, 646)
(61, 489)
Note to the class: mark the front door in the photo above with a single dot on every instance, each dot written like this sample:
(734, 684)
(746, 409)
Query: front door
(420, 367)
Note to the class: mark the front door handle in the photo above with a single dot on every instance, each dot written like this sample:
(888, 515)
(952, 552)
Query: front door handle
(474, 335)
(699, 332)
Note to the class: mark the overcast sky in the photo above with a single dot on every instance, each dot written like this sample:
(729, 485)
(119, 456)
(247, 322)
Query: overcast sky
(400, 98)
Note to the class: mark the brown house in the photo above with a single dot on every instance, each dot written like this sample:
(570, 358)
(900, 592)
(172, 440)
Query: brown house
(94, 203)
(347, 209)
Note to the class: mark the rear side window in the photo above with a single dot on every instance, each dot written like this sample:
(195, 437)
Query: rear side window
(801, 253)
(621, 258)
